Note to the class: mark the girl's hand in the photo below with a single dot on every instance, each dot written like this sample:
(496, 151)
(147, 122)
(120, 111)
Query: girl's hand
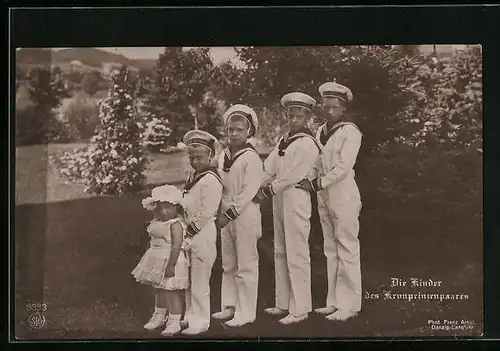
(186, 243)
(169, 272)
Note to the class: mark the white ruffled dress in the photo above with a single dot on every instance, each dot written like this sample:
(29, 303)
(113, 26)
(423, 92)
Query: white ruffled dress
(151, 268)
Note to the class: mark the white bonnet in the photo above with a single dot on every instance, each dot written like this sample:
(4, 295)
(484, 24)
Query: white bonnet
(164, 193)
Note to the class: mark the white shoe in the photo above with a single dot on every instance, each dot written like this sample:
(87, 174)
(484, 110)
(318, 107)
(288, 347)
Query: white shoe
(325, 310)
(275, 311)
(341, 315)
(235, 323)
(227, 313)
(173, 327)
(184, 324)
(156, 321)
(193, 331)
(290, 319)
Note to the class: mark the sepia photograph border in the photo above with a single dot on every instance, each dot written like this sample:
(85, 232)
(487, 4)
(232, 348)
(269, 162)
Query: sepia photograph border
(212, 26)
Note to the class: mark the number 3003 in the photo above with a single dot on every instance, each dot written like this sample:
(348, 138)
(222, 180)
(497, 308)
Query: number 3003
(36, 307)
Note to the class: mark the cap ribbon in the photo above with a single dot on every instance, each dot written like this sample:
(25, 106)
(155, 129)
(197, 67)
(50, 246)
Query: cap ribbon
(209, 144)
(248, 117)
(298, 103)
(335, 94)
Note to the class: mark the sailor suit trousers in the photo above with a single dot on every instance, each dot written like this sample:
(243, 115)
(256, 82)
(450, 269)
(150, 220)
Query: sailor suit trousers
(201, 203)
(240, 257)
(291, 218)
(339, 205)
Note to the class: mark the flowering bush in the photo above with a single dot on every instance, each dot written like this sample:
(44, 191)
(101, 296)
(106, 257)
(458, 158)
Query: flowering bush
(72, 166)
(173, 149)
(156, 134)
(116, 157)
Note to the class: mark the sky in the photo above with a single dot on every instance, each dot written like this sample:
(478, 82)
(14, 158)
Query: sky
(219, 54)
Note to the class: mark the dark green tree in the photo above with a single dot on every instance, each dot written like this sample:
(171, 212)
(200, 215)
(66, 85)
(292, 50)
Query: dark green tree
(93, 82)
(408, 50)
(209, 115)
(37, 123)
(20, 76)
(228, 83)
(180, 81)
(74, 79)
(369, 71)
(446, 106)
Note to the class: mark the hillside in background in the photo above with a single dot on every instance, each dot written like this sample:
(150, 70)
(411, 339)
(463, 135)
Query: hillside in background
(88, 59)
(91, 59)
(95, 58)
(33, 56)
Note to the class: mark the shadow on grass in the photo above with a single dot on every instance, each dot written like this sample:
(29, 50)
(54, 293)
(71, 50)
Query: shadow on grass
(76, 257)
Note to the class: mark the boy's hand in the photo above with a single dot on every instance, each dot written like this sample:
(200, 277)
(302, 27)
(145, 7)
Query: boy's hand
(221, 221)
(259, 197)
(170, 271)
(305, 185)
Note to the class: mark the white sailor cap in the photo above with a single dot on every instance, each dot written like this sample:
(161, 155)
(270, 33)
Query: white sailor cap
(244, 111)
(200, 138)
(298, 99)
(333, 89)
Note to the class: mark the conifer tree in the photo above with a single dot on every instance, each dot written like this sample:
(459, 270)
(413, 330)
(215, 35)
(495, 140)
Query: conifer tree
(116, 158)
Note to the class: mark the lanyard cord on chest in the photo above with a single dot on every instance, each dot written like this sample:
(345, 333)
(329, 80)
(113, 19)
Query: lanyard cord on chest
(283, 144)
(195, 178)
(229, 161)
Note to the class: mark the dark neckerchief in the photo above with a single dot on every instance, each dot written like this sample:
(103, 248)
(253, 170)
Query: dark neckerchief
(326, 134)
(287, 139)
(229, 160)
(196, 177)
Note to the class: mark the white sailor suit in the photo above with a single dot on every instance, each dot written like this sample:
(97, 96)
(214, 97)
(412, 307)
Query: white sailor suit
(339, 205)
(241, 175)
(290, 162)
(201, 202)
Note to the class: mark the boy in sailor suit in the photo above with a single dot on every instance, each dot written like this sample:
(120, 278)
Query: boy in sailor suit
(339, 204)
(202, 196)
(291, 161)
(240, 168)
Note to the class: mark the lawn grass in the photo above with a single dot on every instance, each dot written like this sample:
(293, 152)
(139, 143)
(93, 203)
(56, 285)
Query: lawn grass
(31, 174)
(77, 256)
(38, 181)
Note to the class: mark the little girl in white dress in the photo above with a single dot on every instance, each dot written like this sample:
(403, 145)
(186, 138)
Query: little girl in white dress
(165, 265)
